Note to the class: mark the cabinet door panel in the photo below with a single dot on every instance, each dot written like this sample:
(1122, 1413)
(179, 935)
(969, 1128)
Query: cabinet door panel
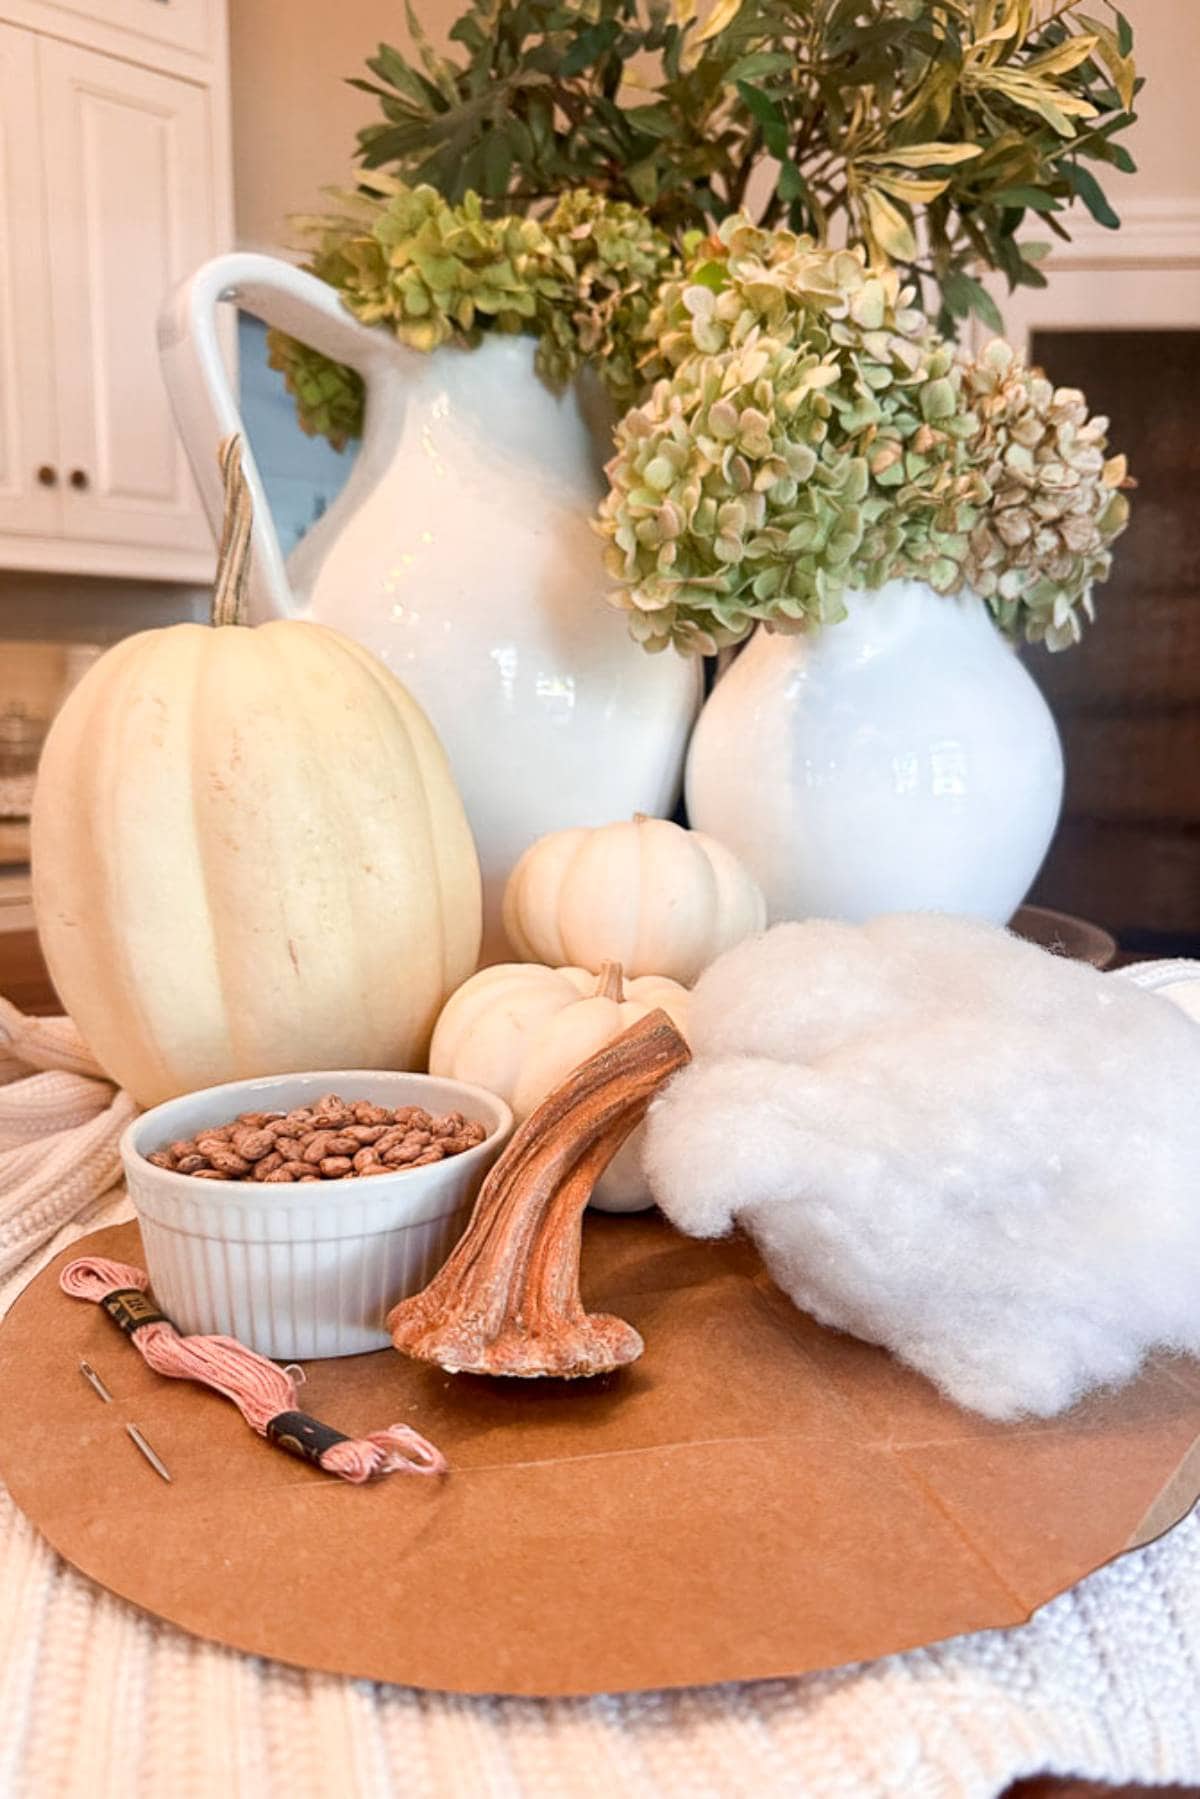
(27, 433)
(130, 193)
(184, 23)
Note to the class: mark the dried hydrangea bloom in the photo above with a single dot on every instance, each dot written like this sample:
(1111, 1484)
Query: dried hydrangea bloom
(864, 449)
(720, 502)
(434, 271)
(403, 257)
(783, 283)
(328, 395)
(613, 262)
(583, 281)
(807, 424)
(1055, 502)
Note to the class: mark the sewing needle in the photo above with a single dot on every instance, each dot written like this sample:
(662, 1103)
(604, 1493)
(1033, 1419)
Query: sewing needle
(154, 1460)
(93, 1379)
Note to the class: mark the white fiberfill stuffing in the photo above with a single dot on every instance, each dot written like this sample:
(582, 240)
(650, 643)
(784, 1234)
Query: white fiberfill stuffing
(947, 1141)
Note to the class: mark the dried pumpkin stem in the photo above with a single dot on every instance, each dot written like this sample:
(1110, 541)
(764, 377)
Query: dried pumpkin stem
(233, 557)
(507, 1301)
(610, 982)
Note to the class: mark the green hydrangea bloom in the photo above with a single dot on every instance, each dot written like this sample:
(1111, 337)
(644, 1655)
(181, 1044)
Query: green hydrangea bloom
(583, 281)
(613, 262)
(328, 396)
(805, 436)
(809, 433)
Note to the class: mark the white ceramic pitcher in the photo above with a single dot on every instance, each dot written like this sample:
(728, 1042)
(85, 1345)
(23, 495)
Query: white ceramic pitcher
(460, 551)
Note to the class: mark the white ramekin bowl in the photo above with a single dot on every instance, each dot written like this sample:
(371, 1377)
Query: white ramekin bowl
(309, 1270)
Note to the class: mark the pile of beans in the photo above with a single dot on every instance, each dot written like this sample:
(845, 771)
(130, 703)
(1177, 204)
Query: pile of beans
(332, 1140)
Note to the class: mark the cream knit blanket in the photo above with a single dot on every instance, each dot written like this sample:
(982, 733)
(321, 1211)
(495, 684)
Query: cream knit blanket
(98, 1700)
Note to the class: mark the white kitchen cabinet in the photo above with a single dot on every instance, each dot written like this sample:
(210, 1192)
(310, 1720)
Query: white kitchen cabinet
(27, 427)
(187, 24)
(115, 129)
(114, 185)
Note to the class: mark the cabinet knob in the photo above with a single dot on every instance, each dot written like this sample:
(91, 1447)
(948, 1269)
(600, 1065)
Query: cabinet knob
(47, 476)
(79, 478)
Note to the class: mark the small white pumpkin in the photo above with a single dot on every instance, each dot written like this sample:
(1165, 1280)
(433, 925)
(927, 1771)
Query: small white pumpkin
(520, 1028)
(647, 894)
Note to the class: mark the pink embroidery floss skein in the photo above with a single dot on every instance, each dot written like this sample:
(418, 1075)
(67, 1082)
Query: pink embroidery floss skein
(263, 1392)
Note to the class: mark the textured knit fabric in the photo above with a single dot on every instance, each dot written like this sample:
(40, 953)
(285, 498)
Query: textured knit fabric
(98, 1700)
(60, 1126)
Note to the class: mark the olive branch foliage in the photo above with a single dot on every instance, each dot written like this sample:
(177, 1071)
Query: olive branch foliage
(926, 130)
(729, 218)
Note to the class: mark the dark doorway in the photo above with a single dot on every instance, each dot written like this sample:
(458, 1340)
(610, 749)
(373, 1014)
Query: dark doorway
(1127, 699)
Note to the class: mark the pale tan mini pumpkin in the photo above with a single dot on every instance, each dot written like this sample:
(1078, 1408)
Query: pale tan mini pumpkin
(648, 894)
(520, 1028)
(249, 857)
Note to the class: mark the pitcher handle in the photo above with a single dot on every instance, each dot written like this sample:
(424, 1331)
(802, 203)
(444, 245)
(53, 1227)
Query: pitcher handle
(202, 396)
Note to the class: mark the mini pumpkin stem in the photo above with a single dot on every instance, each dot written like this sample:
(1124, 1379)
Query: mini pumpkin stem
(233, 557)
(507, 1301)
(610, 983)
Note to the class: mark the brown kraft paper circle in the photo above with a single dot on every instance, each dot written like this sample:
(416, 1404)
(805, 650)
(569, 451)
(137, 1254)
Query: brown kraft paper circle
(756, 1497)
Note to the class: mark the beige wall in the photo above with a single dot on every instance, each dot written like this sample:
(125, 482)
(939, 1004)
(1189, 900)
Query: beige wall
(1166, 139)
(295, 118)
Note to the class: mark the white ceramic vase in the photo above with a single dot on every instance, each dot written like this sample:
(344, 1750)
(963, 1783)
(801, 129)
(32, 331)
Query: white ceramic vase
(461, 552)
(901, 759)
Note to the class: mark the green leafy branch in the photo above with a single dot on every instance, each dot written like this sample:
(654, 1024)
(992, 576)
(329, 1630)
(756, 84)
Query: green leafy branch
(927, 130)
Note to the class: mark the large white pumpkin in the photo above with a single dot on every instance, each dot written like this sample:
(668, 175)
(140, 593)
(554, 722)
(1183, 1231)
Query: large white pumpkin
(249, 857)
(647, 894)
(519, 1029)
